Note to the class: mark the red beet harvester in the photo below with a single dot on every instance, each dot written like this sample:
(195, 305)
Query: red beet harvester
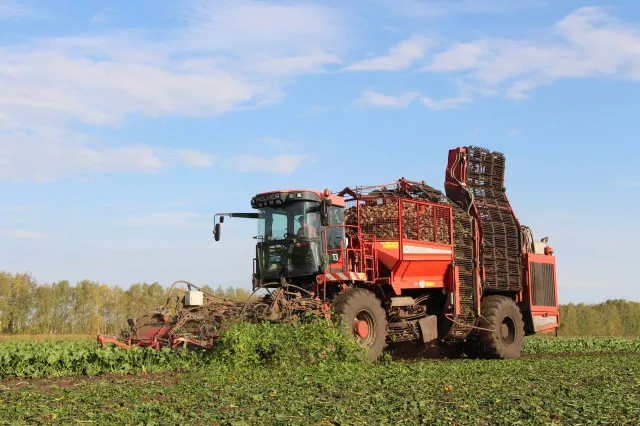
(400, 263)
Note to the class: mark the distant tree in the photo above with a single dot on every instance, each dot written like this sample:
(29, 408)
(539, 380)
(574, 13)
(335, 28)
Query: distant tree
(569, 325)
(612, 321)
(17, 302)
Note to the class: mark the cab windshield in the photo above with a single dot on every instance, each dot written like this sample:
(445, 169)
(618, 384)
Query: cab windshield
(290, 241)
(297, 220)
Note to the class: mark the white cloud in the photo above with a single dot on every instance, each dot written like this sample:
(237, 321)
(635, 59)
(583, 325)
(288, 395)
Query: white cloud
(15, 9)
(45, 157)
(195, 158)
(256, 29)
(421, 9)
(447, 103)
(53, 87)
(22, 234)
(17, 208)
(47, 154)
(375, 99)
(277, 143)
(226, 56)
(300, 64)
(266, 39)
(460, 56)
(520, 89)
(513, 133)
(102, 16)
(588, 43)
(314, 111)
(284, 164)
(400, 57)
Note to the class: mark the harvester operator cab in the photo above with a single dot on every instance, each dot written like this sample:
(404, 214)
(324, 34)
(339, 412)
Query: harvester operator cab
(299, 234)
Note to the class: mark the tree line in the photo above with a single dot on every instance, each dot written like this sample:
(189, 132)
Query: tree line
(90, 307)
(614, 318)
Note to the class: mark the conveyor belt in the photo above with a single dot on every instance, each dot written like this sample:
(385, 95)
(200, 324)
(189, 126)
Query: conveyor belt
(500, 252)
(463, 256)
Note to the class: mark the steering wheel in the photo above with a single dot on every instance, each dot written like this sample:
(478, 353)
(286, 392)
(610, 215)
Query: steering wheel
(288, 236)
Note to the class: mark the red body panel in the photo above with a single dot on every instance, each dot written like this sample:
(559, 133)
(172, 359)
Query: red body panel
(419, 265)
(337, 200)
(545, 316)
(318, 193)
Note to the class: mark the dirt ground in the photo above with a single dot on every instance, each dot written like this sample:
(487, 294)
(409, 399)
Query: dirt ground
(50, 383)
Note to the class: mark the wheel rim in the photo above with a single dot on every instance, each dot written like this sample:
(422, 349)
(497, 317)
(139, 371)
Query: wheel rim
(364, 328)
(508, 331)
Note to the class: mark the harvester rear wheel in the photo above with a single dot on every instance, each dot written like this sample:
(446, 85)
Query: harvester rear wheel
(360, 313)
(502, 315)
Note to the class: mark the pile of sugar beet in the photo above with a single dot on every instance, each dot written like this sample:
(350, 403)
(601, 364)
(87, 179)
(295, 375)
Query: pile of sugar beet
(382, 221)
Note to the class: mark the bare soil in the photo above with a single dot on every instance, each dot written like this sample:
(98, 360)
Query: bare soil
(48, 383)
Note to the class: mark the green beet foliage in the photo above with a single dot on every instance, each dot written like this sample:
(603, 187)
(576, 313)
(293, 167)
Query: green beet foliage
(245, 346)
(317, 342)
(579, 345)
(80, 357)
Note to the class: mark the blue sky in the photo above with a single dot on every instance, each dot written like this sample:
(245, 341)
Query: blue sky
(124, 128)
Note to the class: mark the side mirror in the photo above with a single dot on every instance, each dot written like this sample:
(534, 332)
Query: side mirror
(216, 231)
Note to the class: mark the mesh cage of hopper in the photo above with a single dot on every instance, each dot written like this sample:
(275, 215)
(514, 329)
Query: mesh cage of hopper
(379, 217)
(369, 207)
(378, 209)
(426, 222)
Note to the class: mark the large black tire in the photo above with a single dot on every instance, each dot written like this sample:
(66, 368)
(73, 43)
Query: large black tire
(501, 314)
(358, 304)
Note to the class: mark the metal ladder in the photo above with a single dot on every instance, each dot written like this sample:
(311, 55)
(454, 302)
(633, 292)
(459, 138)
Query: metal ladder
(369, 254)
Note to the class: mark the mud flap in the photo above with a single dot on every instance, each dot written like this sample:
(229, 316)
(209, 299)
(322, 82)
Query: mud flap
(429, 328)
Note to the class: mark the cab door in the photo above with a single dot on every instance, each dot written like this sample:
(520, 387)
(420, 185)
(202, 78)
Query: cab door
(336, 241)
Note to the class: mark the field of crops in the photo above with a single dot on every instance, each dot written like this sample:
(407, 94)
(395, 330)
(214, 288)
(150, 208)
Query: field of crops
(68, 357)
(273, 376)
(579, 345)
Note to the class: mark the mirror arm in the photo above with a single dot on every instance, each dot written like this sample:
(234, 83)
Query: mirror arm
(220, 219)
(240, 215)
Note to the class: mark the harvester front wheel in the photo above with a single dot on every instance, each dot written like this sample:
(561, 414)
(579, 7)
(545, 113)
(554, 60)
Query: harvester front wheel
(360, 313)
(503, 317)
